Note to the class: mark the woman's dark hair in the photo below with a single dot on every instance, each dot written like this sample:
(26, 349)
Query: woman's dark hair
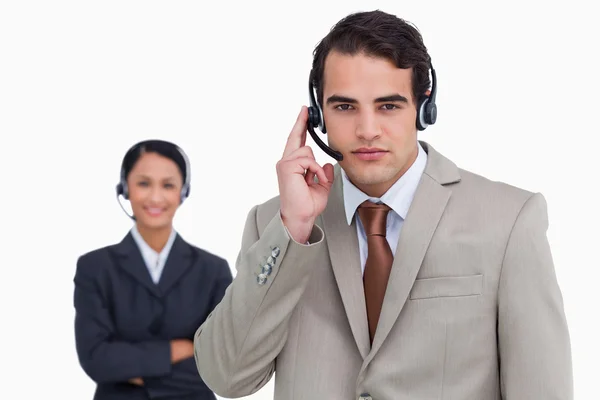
(378, 34)
(164, 148)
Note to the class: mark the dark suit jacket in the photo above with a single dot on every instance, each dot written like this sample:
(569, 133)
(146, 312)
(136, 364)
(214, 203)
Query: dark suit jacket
(124, 321)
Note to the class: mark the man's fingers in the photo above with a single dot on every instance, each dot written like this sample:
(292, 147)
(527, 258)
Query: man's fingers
(326, 178)
(328, 170)
(303, 166)
(297, 137)
(309, 178)
(304, 151)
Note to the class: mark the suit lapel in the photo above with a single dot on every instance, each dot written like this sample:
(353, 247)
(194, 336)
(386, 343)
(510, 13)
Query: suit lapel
(427, 208)
(345, 261)
(418, 228)
(178, 262)
(130, 259)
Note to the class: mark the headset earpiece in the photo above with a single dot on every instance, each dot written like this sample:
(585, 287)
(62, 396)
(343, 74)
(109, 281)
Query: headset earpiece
(427, 114)
(121, 191)
(122, 188)
(315, 112)
(185, 193)
(186, 188)
(316, 120)
(427, 109)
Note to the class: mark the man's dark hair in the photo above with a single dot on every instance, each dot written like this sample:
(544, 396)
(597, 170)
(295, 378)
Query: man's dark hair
(378, 34)
(164, 148)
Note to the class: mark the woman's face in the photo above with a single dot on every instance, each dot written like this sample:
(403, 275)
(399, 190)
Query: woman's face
(154, 190)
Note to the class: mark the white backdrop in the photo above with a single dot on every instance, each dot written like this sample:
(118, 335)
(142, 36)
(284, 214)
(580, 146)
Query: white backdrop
(81, 81)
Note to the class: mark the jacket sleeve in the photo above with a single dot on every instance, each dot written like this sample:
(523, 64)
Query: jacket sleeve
(184, 378)
(101, 355)
(533, 337)
(236, 347)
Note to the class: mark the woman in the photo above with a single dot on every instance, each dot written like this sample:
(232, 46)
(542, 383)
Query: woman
(138, 303)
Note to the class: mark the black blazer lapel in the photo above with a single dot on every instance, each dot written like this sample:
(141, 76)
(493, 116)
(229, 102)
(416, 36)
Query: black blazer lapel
(130, 259)
(180, 259)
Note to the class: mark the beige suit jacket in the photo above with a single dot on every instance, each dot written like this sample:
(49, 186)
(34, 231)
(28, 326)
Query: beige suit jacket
(472, 309)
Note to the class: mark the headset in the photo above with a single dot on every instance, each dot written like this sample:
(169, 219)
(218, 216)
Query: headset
(426, 113)
(122, 188)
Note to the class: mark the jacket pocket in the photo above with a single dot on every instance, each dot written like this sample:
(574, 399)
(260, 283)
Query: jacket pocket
(456, 286)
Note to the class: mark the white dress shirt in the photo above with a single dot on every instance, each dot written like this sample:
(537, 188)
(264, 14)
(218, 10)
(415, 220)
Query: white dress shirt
(398, 198)
(155, 262)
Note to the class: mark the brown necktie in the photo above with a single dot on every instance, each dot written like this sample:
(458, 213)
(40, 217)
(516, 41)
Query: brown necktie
(379, 259)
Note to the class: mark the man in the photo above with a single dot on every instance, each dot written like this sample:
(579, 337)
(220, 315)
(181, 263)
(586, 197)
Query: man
(395, 274)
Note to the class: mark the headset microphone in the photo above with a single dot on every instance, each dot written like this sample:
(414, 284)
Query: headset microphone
(426, 114)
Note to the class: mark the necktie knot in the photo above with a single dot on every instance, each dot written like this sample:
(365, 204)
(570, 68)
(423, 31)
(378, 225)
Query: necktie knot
(374, 218)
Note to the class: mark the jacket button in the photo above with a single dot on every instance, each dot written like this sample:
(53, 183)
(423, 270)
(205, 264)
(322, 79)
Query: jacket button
(261, 279)
(275, 252)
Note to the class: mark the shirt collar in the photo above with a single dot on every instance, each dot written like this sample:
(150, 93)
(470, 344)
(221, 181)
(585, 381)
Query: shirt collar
(398, 197)
(149, 254)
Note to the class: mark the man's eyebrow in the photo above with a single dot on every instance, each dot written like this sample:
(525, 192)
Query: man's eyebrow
(392, 98)
(340, 99)
(343, 99)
